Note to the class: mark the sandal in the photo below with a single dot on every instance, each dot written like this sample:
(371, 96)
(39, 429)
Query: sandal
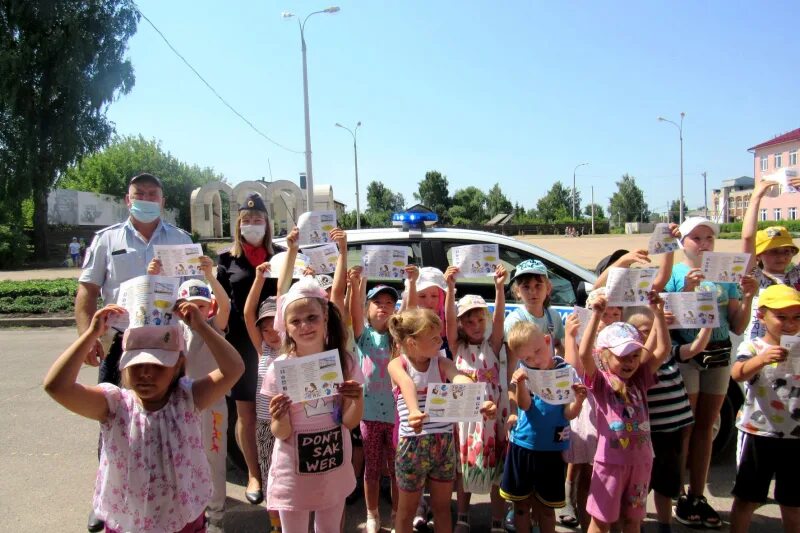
(708, 516)
(461, 527)
(567, 517)
(686, 512)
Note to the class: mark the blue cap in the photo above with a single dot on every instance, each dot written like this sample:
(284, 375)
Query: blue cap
(253, 202)
(529, 267)
(377, 289)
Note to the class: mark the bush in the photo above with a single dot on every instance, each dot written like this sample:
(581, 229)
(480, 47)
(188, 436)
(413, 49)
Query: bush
(13, 247)
(736, 227)
(37, 297)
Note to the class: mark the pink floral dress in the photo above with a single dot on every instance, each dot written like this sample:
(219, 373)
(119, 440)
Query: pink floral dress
(481, 450)
(153, 475)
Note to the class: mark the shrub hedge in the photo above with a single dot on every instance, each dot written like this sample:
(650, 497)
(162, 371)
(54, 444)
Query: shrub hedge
(37, 297)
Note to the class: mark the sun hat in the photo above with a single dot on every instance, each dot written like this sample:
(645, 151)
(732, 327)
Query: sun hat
(529, 266)
(268, 308)
(325, 281)
(779, 297)
(692, 223)
(377, 289)
(773, 237)
(430, 277)
(620, 338)
(194, 289)
(470, 302)
(158, 345)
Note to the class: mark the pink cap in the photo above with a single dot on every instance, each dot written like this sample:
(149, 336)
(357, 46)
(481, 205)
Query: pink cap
(620, 338)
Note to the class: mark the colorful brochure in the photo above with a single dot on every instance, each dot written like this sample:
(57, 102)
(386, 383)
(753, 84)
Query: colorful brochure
(314, 226)
(583, 317)
(627, 287)
(553, 386)
(149, 300)
(384, 262)
(322, 258)
(724, 267)
(662, 241)
(180, 259)
(692, 310)
(476, 260)
(277, 261)
(310, 377)
(455, 402)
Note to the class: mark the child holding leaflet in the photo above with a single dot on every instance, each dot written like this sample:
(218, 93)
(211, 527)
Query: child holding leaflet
(156, 478)
(310, 324)
(374, 352)
(621, 470)
(481, 446)
(425, 450)
(533, 477)
(769, 432)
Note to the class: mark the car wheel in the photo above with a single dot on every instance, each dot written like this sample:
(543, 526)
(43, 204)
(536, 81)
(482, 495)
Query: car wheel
(725, 428)
(235, 457)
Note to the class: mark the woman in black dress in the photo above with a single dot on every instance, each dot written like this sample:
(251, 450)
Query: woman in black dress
(235, 272)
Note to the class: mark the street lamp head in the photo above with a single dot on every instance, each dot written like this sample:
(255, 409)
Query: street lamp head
(661, 119)
(287, 14)
(332, 9)
(359, 124)
(683, 114)
(338, 125)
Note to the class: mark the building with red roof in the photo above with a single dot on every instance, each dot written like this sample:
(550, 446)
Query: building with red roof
(771, 158)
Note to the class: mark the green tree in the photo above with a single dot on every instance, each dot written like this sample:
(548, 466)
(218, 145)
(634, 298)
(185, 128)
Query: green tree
(468, 207)
(434, 194)
(381, 198)
(577, 203)
(555, 205)
(675, 211)
(108, 171)
(61, 64)
(627, 204)
(497, 202)
(598, 211)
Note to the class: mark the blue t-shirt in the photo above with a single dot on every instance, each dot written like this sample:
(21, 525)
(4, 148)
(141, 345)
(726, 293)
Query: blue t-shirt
(543, 427)
(725, 293)
(374, 353)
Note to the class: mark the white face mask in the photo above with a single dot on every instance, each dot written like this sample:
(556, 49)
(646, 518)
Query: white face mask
(254, 234)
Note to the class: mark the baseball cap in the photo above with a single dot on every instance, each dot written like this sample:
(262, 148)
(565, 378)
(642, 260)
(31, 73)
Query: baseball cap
(529, 266)
(779, 297)
(430, 277)
(691, 223)
(469, 302)
(377, 289)
(194, 289)
(324, 280)
(268, 308)
(144, 177)
(594, 295)
(773, 237)
(158, 345)
(620, 338)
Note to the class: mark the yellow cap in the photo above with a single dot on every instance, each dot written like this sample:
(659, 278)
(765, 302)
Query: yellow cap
(779, 297)
(773, 237)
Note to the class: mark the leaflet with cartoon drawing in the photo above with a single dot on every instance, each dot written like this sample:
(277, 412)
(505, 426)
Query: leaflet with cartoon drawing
(454, 402)
(629, 286)
(553, 386)
(277, 261)
(310, 377)
(792, 363)
(315, 225)
(583, 315)
(662, 241)
(724, 266)
(149, 301)
(179, 259)
(322, 258)
(384, 262)
(692, 310)
(476, 260)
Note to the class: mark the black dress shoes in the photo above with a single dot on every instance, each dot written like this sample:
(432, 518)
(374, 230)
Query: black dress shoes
(255, 497)
(94, 524)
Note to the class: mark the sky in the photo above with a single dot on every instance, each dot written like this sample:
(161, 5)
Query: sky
(514, 92)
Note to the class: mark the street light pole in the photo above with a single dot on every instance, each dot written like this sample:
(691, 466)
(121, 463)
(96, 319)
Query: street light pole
(353, 132)
(309, 172)
(573, 188)
(705, 194)
(680, 135)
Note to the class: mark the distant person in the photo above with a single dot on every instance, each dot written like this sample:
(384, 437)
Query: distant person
(74, 251)
(118, 253)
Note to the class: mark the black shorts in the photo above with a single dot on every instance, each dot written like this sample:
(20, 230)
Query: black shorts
(761, 458)
(109, 367)
(665, 478)
(355, 436)
(244, 390)
(528, 472)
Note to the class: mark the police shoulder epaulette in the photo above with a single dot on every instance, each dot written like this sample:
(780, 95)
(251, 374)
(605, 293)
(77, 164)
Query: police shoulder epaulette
(109, 228)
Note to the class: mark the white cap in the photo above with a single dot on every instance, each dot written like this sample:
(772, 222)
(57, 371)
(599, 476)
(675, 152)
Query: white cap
(691, 223)
(151, 355)
(430, 277)
(194, 289)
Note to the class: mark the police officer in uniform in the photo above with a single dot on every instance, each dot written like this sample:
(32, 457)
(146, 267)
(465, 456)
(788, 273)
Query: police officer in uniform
(118, 253)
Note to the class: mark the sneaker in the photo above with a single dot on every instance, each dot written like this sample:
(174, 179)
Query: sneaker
(510, 525)
(373, 524)
(686, 512)
(708, 516)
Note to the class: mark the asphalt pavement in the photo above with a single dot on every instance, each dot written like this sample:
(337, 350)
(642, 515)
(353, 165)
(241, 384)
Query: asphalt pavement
(48, 456)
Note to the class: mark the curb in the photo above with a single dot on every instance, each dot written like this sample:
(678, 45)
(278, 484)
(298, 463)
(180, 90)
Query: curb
(36, 322)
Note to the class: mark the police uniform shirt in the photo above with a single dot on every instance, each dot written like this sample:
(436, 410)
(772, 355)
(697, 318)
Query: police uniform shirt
(119, 253)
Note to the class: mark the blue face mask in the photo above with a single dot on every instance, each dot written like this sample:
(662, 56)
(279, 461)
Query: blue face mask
(145, 211)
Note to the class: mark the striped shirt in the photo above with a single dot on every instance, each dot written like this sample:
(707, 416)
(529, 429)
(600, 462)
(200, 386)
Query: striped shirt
(421, 379)
(667, 400)
(268, 355)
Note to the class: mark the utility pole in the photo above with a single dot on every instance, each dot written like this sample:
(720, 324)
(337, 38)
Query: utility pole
(705, 194)
(592, 209)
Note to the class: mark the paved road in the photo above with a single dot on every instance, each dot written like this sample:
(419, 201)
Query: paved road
(48, 456)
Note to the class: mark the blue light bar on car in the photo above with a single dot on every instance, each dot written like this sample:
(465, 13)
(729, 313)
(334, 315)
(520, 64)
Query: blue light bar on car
(416, 219)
